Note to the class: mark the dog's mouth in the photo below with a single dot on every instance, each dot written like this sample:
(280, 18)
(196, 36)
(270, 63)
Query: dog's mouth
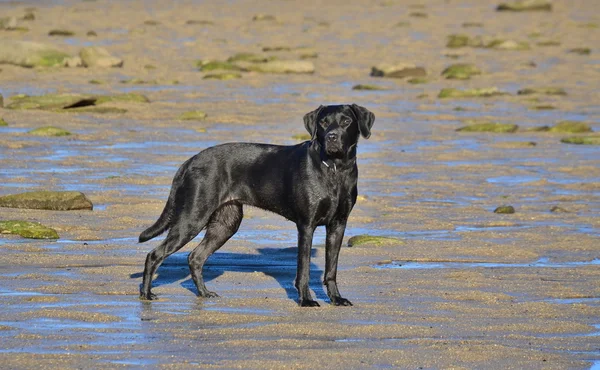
(334, 149)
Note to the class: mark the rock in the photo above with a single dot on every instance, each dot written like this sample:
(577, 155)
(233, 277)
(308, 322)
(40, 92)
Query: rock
(470, 93)
(211, 65)
(29, 16)
(50, 200)
(489, 127)
(30, 54)
(96, 82)
(543, 107)
(99, 57)
(73, 62)
(472, 24)
(301, 137)
(370, 240)
(525, 5)
(276, 48)
(514, 144)
(548, 43)
(62, 33)
(1, 101)
(461, 40)
(581, 140)
(91, 33)
(152, 22)
(460, 71)
(505, 210)
(279, 66)
(418, 14)
(397, 70)
(223, 76)
(197, 22)
(3, 122)
(97, 109)
(126, 98)
(26, 229)
(368, 87)
(250, 57)
(195, 115)
(581, 51)
(542, 91)
(49, 131)
(8, 23)
(507, 45)
(417, 80)
(51, 101)
(264, 17)
(573, 127)
(558, 209)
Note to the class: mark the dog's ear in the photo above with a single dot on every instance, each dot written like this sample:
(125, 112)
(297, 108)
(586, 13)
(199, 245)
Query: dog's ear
(365, 120)
(310, 122)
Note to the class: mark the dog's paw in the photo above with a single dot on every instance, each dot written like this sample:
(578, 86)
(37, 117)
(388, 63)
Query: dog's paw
(339, 301)
(148, 297)
(308, 303)
(208, 294)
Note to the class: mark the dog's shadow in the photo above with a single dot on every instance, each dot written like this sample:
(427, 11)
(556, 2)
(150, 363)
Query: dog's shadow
(279, 263)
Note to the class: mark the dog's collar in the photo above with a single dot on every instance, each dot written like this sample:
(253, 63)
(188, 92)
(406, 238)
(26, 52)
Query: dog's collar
(328, 166)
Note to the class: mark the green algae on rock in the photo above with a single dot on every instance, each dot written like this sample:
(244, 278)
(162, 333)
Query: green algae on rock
(49, 131)
(30, 54)
(27, 229)
(250, 57)
(489, 127)
(573, 127)
(581, 51)
(505, 210)
(50, 101)
(3, 122)
(462, 40)
(49, 200)
(279, 66)
(542, 91)
(525, 6)
(301, 137)
(417, 80)
(401, 70)
(581, 140)
(368, 87)
(61, 32)
(211, 65)
(470, 93)
(224, 76)
(195, 115)
(99, 57)
(558, 209)
(370, 240)
(125, 98)
(460, 71)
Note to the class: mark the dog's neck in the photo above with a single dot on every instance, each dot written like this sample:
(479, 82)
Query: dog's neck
(334, 164)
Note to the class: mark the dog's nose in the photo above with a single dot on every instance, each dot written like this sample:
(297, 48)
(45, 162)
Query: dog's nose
(332, 136)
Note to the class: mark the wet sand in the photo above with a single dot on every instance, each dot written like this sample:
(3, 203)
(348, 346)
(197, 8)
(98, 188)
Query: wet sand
(465, 287)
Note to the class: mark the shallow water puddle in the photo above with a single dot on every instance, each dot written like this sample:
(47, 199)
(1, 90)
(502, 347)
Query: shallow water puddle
(541, 263)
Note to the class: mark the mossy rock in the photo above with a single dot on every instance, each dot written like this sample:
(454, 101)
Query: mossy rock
(96, 82)
(401, 70)
(472, 24)
(49, 131)
(542, 91)
(548, 43)
(374, 241)
(3, 122)
(369, 87)
(61, 32)
(495, 127)
(470, 93)
(224, 76)
(199, 22)
(543, 107)
(572, 127)
(279, 66)
(500, 44)
(212, 65)
(276, 48)
(195, 115)
(460, 71)
(558, 209)
(417, 80)
(264, 17)
(505, 210)
(126, 98)
(96, 109)
(301, 137)
(581, 140)
(30, 54)
(581, 51)
(250, 57)
(26, 229)
(50, 101)
(525, 6)
(458, 41)
(49, 200)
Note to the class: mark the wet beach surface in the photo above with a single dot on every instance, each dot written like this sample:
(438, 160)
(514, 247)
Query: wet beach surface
(463, 287)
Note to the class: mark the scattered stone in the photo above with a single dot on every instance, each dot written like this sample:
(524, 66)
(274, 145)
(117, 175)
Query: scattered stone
(418, 15)
(264, 17)
(591, 25)
(3, 122)
(308, 55)
(26, 229)
(49, 131)
(525, 5)
(197, 22)
(30, 54)
(472, 24)
(573, 127)
(542, 91)
(211, 65)
(470, 93)
(223, 76)
(1, 100)
(581, 140)
(149, 66)
(62, 33)
(195, 115)
(368, 87)
(402, 24)
(151, 22)
(29, 16)
(507, 45)
(458, 41)
(126, 97)
(461, 40)
(99, 57)
(505, 210)
(370, 240)
(97, 109)
(398, 70)
(548, 43)
(49, 200)
(96, 82)
(558, 209)
(250, 57)
(276, 48)
(489, 127)
(279, 66)
(543, 107)
(91, 33)
(581, 51)
(8, 23)
(514, 144)
(50, 101)
(73, 62)
(460, 71)
(301, 137)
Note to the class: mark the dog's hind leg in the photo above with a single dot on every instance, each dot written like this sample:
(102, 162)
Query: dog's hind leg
(223, 223)
(179, 235)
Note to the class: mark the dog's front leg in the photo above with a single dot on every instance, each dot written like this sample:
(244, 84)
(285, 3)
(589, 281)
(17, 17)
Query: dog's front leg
(305, 236)
(335, 234)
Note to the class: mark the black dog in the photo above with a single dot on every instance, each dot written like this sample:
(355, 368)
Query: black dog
(312, 184)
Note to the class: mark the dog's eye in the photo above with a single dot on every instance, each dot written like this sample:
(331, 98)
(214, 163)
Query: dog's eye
(324, 123)
(346, 121)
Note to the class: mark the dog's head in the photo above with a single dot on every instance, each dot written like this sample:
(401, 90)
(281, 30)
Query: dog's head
(337, 127)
